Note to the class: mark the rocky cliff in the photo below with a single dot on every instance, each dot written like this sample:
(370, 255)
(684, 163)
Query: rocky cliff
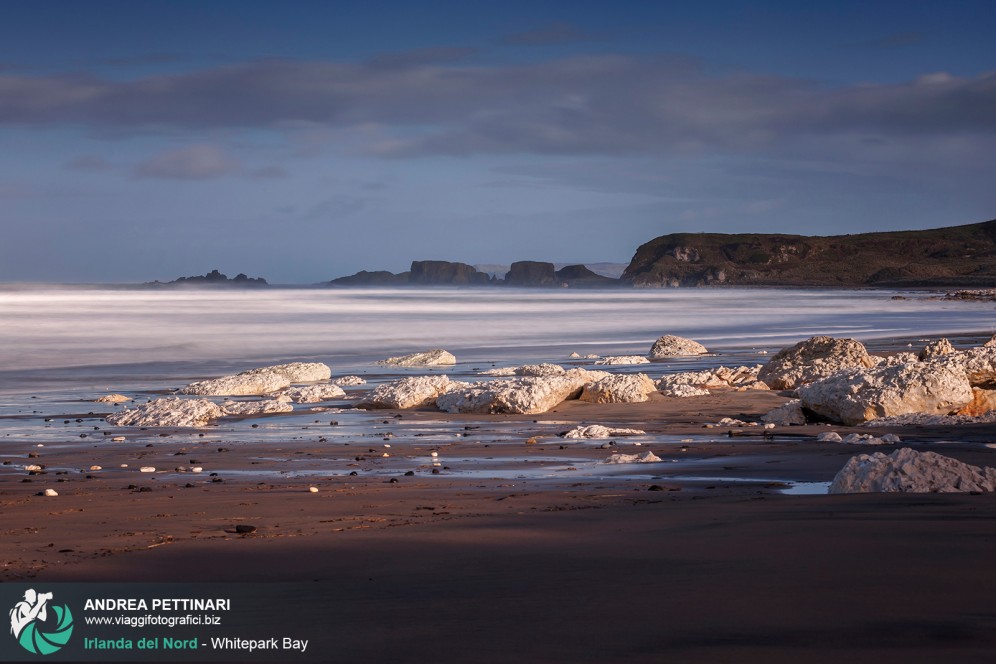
(958, 255)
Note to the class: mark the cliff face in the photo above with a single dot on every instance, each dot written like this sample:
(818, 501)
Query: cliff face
(963, 255)
(439, 273)
(531, 273)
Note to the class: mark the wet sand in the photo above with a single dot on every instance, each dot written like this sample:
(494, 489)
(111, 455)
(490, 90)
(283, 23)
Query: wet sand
(556, 565)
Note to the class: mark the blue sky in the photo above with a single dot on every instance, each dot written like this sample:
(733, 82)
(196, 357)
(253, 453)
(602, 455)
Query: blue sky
(302, 141)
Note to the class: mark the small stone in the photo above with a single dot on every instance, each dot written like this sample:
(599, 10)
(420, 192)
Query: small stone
(313, 489)
(244, 529)
(147, 469)
(50, 493)
(410, 473)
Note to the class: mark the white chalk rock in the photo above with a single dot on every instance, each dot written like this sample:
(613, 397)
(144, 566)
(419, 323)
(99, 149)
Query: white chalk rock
(863, 439)
(829, 437)
(315, 393)
(619, 388)
(31, 466)
(623, 359)
(261, 381)
(525, 395)
(411, 392)
(649, 457)
(168, 412)
(979, 364)
(257, 407)
(938, 348)
(672, 346)
(51, 493)
(898, 358)
(147, 469)
(429, 358)
(813, 359)
(599, 431)
(910, 471)
(853, 396)
(682, 391)
(113, 398)
(786, 414)
(348, 381)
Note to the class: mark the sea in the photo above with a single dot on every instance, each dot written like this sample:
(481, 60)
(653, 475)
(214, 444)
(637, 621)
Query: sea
(62, 347)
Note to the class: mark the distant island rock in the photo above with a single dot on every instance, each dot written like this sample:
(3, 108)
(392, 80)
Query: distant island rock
(957, 255)
(214, 278)
(522, 274)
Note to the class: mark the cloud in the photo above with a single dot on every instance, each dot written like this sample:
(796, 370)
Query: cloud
(559, 32)
(89, 163)
(269, 173)
(194, 162)
(595, 104)
(422, 56)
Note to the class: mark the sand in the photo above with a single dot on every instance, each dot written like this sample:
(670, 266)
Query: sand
(555, 566)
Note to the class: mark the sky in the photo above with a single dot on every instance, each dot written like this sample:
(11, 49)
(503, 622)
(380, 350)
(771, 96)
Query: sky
(301, 141)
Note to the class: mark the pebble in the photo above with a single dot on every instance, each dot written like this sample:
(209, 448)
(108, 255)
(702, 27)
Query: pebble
(51, 492)
(196, 469)
(96, 468)
(312, 489)
(118, 439)
(244, 529)
(147, 469)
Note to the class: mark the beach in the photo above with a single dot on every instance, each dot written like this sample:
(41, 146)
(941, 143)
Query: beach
(492, 534)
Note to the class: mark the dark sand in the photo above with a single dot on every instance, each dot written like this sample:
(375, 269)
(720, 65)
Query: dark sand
(455, 568)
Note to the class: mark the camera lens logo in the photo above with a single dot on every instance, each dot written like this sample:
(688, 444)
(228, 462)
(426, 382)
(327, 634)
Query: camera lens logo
(30, 624)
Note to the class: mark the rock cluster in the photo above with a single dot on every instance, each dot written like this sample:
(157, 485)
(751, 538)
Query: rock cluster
(429, 358)
(113, 398)
(672, 346)
(523, 395)
(623, 359)
(648, 457)
(315, 393)
(813, 359)
(260, 381)
(264, 407)
(527, 370)
(740, 378)
(910, 471)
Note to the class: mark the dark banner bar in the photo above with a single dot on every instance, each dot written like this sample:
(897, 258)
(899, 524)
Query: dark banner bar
(160, 622)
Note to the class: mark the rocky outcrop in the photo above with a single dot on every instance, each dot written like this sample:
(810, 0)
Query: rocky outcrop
(786, 414)
(429, 358)
(445, 273)
(265, 407)
(525, 395)
(619, 388)
(909, 471)
(622, 359)
(813, 359)
(412, 392)
(260, 381)
(672, 346)
(530, 274)
(682, 390)
(980, 365)
(214, 278)
(960, 255)
(599, 431)
(853, 396)
(372, 279)
(579, 276)
(168, 412)
(314, 393)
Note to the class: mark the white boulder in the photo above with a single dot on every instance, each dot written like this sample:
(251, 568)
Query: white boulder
(786, 414)
(619, 388)
(168, 412)
(260, 381)
(527, 370)
(428, 358)
(623, 359)
(524, 395)
(853, 396)
(257, 407)
(411, 392)
(938, 348)
(649, 457)
(113, 398)
(672, 346)
(314, 393)
(910, 471)
(348, 381)
(829, 437)
(813, 359)
(599, 431)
